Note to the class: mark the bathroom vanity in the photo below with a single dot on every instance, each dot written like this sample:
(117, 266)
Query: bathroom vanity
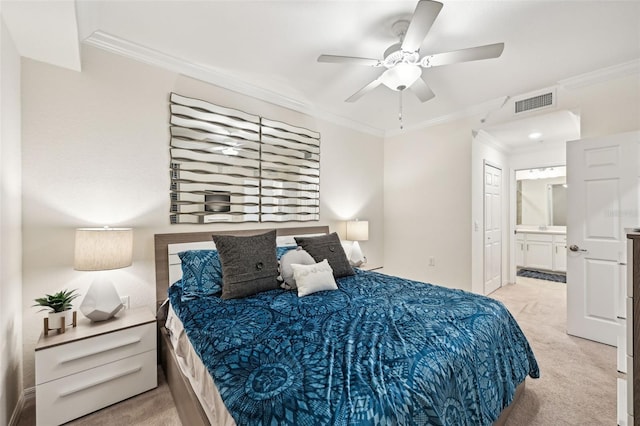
(541, 249)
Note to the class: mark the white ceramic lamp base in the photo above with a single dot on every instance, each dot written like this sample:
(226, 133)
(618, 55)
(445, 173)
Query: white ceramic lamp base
(356, 257)
(101, 301)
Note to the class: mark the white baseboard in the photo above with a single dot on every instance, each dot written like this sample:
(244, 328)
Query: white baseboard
(26, 395)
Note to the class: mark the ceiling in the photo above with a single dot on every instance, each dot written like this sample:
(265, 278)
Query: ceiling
(272, 46)
(534, 131)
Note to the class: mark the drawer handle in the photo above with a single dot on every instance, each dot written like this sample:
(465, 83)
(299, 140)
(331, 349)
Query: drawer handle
(101, 350)
(99, 382)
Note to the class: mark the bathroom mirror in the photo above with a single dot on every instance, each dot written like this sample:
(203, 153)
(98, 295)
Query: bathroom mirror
(541, 196)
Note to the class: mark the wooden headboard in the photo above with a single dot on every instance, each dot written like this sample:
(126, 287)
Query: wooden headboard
(163, 241)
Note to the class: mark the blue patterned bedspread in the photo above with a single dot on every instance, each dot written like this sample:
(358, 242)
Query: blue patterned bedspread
(381, 350)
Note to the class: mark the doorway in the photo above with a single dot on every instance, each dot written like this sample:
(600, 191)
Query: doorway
(536, 141)
(541, 219)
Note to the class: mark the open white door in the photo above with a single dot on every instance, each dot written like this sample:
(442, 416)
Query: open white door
(602, 200)
(492, 228)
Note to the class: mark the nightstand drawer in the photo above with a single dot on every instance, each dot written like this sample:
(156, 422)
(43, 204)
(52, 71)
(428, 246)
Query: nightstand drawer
(63, 360)
(629, 330)
(73, 396)
(630, 373)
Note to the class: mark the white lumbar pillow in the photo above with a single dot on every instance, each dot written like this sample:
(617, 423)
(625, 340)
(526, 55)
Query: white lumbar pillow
(298, 256)
(313, 278)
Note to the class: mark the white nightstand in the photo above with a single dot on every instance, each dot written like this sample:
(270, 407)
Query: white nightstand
(371, 267)
(95, 365)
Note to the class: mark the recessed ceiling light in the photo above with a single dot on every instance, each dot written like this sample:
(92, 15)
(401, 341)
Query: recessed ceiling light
(535, 135)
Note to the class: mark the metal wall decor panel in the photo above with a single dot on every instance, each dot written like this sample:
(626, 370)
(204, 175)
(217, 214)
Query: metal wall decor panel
(231, 166)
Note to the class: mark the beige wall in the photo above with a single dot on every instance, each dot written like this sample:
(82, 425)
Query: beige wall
(10, 229)
(606, 108)
(95, 152)
(427, 176)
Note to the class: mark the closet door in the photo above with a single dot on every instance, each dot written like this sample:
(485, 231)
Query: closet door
(492, 228)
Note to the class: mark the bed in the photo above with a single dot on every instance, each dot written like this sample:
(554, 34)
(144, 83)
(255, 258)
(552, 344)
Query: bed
(379, 350)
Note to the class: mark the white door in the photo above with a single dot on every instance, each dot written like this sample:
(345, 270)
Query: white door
(602, 201)
(492, 228)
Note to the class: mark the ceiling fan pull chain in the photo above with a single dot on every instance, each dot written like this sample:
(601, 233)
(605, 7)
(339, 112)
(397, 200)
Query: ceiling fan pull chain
(400, 112)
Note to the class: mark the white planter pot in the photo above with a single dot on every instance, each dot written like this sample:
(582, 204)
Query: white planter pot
(54, 319)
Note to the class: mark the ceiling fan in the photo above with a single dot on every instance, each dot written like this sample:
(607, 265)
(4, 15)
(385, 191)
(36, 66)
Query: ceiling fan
(402, 60)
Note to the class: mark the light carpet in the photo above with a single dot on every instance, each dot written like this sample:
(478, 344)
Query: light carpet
(577, 384)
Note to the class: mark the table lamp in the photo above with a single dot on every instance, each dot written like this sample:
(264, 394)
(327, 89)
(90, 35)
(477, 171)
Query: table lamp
(357, 230)
(101, 249)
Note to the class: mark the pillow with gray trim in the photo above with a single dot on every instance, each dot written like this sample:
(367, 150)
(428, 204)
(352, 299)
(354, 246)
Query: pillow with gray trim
(327, 247)
(298, 256)
(249, 264)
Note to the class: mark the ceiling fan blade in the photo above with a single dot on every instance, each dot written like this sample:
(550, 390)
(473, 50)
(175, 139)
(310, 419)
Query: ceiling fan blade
(464, 55)
(349, 60)
(425, 14)
(422, 91)
(366, 89)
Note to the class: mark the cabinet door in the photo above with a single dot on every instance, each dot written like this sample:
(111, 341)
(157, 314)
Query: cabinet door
(520, 252)
(539, 255)
(560, 257)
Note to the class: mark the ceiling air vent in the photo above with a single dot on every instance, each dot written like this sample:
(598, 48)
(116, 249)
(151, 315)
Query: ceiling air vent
(535, 102)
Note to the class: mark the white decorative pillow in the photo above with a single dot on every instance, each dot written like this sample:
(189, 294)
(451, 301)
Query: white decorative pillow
(313, 278)
(298, 256)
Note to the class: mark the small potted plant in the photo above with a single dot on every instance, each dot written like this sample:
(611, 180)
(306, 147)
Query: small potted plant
(59, 306)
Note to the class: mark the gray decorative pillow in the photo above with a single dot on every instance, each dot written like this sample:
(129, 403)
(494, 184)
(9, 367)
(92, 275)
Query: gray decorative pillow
(249, 264)
(298, 256)
(327, 247)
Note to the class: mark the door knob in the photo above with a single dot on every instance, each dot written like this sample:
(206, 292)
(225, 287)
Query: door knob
(574, 247)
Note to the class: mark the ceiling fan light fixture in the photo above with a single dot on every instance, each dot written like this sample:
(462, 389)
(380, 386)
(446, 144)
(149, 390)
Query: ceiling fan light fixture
(402, 60)
(401, 76)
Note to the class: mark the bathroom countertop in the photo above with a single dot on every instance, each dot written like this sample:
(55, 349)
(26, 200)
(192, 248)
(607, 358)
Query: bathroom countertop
(540, 231)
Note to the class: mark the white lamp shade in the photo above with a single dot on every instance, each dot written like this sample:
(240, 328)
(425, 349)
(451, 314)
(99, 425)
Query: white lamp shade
(99, 249)
(357, 230)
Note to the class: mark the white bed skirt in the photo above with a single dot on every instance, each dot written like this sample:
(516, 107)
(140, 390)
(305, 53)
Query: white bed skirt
(194, 370)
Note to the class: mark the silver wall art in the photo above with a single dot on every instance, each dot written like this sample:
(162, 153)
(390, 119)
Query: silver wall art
(230, 166)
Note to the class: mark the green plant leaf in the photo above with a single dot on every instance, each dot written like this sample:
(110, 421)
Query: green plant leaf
(57, 302)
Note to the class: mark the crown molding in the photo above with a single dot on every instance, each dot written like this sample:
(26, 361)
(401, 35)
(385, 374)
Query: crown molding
(219, 78)
(601, 75)
(122, 47)
(485, 138)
